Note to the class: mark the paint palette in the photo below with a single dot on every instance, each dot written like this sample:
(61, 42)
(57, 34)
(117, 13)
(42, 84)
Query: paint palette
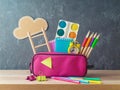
(67, 29)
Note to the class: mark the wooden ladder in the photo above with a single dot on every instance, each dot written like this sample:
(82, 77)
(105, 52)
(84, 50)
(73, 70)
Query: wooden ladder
(40, 45)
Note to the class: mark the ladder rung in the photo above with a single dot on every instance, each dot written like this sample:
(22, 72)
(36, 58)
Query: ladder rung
(37, 35)
(40, 45)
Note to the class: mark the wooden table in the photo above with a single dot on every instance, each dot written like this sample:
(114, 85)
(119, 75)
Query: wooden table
(15, 80)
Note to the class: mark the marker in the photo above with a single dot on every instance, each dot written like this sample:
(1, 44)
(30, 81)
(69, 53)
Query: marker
(87, 43)
(66, 79)
(90, 78)
(75, 78)
(84, 81)
(84, 41)
(90, 43)
(93, 45)
(94, 82)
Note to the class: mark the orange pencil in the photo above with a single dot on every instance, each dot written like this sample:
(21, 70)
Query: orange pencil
(90, 43)
(93, 45)
(87, 43)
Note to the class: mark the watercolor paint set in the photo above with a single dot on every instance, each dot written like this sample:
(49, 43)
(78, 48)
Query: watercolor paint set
(67, 29)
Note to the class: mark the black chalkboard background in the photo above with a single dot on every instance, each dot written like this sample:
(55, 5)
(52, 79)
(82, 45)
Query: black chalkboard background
(102, 16)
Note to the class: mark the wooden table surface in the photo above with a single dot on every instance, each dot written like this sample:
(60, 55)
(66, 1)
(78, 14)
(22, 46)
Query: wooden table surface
(15, 80)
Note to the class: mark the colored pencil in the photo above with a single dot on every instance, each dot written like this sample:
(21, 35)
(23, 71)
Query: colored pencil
(87, 43)
(84, 41)
(93, 45)
(94, 36)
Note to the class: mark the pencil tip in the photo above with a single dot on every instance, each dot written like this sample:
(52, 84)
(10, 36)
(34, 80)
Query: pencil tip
(98, 35)
(88, 33)
(95, 34)
(92, 33)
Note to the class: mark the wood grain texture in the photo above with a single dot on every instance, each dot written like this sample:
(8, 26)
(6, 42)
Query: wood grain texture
(15, 79)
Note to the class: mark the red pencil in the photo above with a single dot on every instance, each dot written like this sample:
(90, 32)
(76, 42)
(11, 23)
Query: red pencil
(84, 42)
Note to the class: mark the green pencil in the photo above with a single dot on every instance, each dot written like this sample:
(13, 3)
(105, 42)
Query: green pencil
(93, 45)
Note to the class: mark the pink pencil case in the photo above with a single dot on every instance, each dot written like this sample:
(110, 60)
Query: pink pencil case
(58, 64)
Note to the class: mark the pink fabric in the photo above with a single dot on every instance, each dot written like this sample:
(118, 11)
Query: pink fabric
(62, 64)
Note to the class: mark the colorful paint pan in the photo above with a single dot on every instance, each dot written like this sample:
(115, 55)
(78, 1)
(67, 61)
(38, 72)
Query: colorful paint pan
(67, 29)
(74, 27)
(73, 30)
(61, 30)
(62, 24)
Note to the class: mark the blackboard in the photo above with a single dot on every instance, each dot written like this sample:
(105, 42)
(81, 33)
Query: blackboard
(102, 16)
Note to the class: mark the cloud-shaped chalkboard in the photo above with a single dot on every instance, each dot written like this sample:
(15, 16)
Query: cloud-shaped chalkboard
(27, 24)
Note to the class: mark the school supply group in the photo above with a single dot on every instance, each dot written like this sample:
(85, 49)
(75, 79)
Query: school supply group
(66, 57)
